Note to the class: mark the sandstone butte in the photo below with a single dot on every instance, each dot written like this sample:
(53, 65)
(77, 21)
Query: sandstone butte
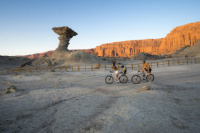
(179, 37)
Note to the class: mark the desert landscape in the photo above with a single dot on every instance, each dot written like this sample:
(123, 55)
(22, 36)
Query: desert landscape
(64, 89)
(83, 102)
(80, 101)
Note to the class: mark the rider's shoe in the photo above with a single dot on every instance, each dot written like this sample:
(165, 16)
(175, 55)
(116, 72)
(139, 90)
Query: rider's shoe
(117, 81)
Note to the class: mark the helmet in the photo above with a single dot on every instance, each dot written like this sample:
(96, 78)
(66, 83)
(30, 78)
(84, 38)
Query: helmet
(143, 60)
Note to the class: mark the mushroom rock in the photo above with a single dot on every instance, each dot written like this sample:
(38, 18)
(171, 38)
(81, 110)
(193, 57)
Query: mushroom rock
(66, 34)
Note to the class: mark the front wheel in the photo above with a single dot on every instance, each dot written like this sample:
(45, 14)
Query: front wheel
(109, 79)
(123, 79)
(136, 79)
(151, 76)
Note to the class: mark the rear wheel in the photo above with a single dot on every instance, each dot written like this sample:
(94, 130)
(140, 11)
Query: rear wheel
(109, 79)
(123, 79)
(152, 77)
(136, 79)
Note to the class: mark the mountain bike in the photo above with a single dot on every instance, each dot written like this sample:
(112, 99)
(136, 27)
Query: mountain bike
(136, 79)
(122, 78)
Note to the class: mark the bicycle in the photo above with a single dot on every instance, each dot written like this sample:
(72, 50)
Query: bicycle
(136, 79)
(122, 78)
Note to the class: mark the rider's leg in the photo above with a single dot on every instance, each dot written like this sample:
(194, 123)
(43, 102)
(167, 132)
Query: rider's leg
(149, 76)
(116, 76)
(143, 70)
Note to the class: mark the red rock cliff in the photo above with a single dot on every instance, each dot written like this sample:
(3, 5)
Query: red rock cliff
(128, 48)
(180, 36)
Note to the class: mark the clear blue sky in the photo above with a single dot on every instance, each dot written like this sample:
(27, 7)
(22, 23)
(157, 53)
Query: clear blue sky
(26, 25)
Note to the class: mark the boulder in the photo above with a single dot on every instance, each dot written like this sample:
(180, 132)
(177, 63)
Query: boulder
(10, 89)
(145, 88)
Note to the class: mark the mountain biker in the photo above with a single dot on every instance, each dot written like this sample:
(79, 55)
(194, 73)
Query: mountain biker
(145, 67)
(123, 70)
(114, 67)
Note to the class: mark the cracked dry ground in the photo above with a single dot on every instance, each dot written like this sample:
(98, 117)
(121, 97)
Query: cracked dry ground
(63, 102)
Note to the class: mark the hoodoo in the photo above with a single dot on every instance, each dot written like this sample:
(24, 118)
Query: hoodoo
(66, 34)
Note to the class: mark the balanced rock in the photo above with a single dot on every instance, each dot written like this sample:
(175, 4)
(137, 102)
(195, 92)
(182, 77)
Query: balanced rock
(66, 34)
(145, 88)
(10, 89)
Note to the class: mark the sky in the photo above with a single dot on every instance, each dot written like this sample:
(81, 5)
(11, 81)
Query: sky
(26, 25)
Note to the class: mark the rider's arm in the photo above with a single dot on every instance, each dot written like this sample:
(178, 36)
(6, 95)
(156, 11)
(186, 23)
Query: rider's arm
(141, 67)
(148, 68)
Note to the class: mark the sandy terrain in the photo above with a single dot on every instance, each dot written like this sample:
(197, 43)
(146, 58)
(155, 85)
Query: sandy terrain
(64, 102)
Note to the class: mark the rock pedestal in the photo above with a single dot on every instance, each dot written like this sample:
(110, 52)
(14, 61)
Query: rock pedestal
(66, 34)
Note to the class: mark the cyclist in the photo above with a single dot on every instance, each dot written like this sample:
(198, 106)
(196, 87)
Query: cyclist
(145, 67)
(114, 67)
(123, 70)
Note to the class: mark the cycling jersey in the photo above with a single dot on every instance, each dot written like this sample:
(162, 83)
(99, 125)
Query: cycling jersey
(146, 66)
(124, 70)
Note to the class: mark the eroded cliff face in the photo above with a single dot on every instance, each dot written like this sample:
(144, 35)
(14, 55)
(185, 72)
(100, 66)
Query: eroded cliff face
(128, 48)
(179, 37)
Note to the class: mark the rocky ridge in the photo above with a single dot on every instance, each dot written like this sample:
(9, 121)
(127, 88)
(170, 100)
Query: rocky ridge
(179, 37)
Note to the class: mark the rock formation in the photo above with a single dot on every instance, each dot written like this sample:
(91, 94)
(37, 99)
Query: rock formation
(10, 89)
(179, 37)
(65, 35)
(145, 88)
(128, 48)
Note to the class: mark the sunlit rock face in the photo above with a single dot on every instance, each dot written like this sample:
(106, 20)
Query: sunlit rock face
(128, 48)
(179, 37)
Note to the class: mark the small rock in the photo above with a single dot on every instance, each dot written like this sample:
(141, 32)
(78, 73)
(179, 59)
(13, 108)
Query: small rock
(10, 89)
(53, 71)
(145, 88)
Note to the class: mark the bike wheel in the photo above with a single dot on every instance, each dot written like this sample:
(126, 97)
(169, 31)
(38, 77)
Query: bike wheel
(123, 79)
(136, 79)
(109, 79)
(152, 77)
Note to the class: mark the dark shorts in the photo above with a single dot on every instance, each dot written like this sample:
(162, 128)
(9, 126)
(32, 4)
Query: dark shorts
(149, 70)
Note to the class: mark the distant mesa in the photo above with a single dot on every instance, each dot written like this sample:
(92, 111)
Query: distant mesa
(66, 34)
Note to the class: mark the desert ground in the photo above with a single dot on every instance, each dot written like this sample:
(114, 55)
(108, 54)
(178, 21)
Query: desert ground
(64, 102)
